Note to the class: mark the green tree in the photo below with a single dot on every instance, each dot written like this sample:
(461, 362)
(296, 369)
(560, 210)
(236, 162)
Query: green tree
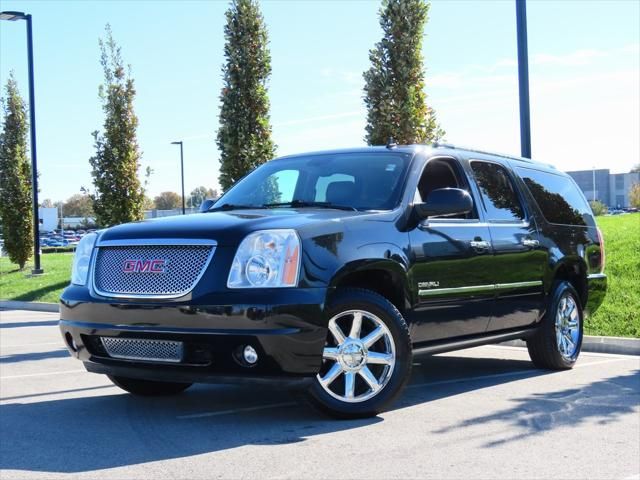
(78, 206)
(597, 207)
(394, 85)
(168, 201)
(16, 214)
(634, 195)
(148, 203)
(200, 194)
(244, 137)
(118, 195)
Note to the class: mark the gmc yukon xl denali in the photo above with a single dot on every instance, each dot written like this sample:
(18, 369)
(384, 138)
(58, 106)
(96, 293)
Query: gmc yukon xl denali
(331, 270)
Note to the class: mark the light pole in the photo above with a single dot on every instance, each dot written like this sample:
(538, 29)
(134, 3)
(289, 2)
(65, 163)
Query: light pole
(12, 17)
(181, 171)
(523, 79)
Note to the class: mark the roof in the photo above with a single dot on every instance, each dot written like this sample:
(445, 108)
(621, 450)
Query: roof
(416, 148)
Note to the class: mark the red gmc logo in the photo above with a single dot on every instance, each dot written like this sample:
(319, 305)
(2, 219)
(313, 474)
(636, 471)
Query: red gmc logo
(156, 265)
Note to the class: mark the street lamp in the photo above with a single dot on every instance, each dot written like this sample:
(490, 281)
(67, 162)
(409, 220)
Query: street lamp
(523, 78)
(12, 17)
(181, 171)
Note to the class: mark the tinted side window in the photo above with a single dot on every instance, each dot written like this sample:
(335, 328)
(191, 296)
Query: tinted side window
(499, 195)
(557, 196)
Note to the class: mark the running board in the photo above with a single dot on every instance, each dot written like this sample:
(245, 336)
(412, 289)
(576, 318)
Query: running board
(469, 342)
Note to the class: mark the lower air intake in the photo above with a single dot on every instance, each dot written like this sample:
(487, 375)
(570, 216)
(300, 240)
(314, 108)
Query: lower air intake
(139, 349)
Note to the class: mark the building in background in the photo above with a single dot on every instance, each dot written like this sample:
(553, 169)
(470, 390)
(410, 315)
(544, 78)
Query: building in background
(48, 219)
(612, 189)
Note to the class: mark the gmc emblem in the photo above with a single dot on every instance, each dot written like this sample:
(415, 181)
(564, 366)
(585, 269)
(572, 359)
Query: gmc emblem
(156, 265)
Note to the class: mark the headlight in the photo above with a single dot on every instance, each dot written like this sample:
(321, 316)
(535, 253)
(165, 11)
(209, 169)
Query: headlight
(266, 259)
(82, 258)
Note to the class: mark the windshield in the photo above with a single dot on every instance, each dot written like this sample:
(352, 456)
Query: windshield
(364, 181)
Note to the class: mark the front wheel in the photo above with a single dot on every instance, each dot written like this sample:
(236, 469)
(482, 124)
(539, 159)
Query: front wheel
(556, 345)
(367, 358)
(148, 388)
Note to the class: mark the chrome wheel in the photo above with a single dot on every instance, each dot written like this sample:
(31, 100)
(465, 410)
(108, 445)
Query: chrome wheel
(358, 365)
(567, 327)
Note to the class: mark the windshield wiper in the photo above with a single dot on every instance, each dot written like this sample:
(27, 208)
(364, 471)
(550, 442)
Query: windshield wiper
(233, 206)
(302, 203)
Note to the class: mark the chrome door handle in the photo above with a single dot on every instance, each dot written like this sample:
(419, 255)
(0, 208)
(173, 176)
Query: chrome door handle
(480, 244)
(531, 243)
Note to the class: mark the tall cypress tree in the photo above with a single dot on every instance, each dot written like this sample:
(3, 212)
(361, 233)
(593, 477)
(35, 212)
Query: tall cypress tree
(244, 137)
(118, 196)
(15, 178)
(394, 85)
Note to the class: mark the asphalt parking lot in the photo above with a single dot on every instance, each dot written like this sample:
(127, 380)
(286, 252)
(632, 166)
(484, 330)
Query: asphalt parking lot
(481, 413)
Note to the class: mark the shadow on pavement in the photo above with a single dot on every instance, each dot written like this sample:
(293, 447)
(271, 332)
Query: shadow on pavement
(74, 435)
(603, 401)
(40, 323)
(27, 357)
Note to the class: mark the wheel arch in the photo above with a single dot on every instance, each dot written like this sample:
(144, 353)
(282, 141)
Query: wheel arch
(574, 271)
(383, 276)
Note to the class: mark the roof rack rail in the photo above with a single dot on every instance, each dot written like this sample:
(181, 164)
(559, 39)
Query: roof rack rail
(437, 144)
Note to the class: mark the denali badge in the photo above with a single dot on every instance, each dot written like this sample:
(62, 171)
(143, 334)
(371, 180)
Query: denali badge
(157, 265)
(428, 284)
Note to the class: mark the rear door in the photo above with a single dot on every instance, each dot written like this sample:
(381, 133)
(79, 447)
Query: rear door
(518, 261)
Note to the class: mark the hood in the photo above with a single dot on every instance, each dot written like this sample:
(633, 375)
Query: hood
(227, 228)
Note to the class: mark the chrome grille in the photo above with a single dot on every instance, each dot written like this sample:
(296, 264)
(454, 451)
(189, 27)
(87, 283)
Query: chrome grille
(138, 349)
(182, 267)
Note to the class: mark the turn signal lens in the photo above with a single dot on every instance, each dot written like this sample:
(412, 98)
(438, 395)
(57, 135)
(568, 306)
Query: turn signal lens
(603, 256)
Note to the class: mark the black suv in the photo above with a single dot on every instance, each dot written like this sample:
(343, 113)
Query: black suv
(332, 269)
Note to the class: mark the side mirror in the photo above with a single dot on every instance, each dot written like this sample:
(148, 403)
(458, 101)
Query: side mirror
(445, 202)
(206, 205)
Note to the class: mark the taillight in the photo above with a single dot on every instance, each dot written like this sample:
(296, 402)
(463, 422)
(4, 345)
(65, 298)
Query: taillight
(602, 253)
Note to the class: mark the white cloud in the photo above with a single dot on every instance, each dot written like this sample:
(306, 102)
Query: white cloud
(318, 119)
(577, 58)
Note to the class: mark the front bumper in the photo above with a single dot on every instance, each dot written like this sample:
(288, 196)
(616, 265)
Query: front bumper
(286, 327)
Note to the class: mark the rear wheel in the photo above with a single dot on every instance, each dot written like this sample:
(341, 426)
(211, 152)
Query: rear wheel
(367, 357)
(556, 345)
(148, 388)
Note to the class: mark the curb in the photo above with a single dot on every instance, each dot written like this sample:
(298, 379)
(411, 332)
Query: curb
(593, 344)
(33, 306)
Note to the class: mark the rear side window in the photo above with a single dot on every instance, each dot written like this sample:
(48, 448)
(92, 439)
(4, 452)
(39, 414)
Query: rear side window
(499, 195)
(557, 196)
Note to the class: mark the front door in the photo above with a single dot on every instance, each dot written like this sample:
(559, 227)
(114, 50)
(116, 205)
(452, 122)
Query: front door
(451, 265)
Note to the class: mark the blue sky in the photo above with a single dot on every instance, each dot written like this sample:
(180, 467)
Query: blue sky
(585, 84)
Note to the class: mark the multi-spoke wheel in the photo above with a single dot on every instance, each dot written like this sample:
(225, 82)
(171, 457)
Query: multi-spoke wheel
(359, 364)
(556, 344)
(567, 326)
(367, 356)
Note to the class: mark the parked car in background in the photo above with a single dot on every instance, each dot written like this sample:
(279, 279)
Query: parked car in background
(332, 270)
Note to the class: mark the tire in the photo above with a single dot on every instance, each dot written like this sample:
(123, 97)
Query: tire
(148, 388)
(352, 382)
(564, 318)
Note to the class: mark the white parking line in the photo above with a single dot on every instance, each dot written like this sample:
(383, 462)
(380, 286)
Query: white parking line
(20, 345)
(505, 374)
(44, 374)
(236, 410)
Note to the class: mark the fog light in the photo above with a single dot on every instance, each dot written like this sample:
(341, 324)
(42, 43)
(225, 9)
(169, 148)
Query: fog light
(250, 355)
(71, 342)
